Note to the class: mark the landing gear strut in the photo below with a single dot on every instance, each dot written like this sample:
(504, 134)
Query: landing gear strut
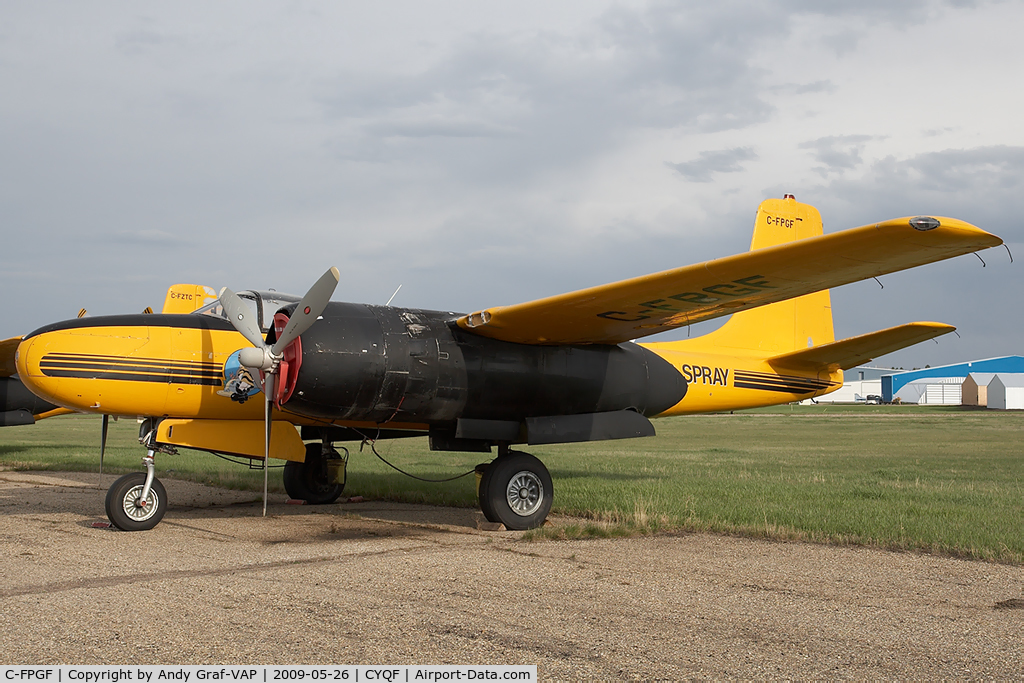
(516, 490)
(137, 501)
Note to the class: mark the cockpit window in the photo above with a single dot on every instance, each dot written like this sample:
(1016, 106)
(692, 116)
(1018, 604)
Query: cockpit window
(215, 310)
(263, 305)
(272, 301)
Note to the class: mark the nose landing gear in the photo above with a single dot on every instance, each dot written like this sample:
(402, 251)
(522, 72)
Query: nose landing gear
(137, 501)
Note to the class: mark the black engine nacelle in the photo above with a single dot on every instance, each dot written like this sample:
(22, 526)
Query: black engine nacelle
(382, 364)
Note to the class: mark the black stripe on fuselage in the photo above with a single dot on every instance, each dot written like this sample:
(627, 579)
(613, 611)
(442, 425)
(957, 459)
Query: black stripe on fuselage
(786, 384)
(88, 366)
(142, 364)
(136, 377)
(49, 368)
(183, 322)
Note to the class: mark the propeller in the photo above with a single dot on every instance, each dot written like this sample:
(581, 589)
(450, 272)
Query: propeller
(268, 358)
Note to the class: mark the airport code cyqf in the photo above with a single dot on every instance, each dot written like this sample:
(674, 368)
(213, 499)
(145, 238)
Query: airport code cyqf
(266, 674)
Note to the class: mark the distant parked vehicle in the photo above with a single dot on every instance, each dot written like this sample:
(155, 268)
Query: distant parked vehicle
(873, 400)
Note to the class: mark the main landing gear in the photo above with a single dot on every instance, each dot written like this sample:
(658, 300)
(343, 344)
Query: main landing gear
(320, 479)
(515, 490)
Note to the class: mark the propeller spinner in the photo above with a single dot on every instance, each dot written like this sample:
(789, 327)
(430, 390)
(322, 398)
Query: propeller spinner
(267, 358)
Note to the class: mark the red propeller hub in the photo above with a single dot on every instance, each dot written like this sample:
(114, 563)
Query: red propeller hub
(291, 361)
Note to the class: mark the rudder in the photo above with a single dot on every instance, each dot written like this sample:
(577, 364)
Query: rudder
(787, 325)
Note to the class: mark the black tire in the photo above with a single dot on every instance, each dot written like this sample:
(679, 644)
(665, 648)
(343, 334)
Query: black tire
(516, 490)
(122, 506)
(485, 507)
(308, 480)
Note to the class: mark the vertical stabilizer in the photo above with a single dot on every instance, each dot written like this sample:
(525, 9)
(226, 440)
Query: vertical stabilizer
(787, 325)
(187, 298)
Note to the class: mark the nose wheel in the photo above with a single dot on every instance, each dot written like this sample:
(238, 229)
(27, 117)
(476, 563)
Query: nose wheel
(516, 491)
(131, 508)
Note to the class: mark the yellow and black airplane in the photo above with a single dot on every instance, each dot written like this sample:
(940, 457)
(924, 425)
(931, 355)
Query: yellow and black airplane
(556, 370)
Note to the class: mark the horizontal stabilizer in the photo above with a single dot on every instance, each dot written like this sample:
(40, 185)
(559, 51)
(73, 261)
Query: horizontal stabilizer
(853, 351)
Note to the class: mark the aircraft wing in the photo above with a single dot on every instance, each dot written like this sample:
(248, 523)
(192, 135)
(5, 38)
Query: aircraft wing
(854, 351)
(8, 349)
(618, 312)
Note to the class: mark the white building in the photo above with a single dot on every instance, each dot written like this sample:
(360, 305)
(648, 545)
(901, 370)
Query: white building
(941, 391)
(1006, 391)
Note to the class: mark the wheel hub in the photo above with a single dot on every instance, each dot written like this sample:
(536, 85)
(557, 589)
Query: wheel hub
(525, 493)
(137, 507)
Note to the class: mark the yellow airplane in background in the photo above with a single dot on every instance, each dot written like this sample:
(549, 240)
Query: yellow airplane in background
(556, 370)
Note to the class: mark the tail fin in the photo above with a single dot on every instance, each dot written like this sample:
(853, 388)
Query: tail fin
(187, 298)
(785, 326)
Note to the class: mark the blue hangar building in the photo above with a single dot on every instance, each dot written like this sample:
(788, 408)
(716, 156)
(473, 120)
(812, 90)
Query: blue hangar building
(891, 384)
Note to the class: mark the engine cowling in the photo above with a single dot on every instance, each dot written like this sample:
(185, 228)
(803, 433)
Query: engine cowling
(378, 364)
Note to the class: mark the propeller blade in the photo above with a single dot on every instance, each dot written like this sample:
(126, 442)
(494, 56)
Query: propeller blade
(308, 310)
(103, 439)
(268, 390)
(242, 317)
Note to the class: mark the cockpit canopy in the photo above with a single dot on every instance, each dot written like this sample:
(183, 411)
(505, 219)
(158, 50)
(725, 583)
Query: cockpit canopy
(263, 304)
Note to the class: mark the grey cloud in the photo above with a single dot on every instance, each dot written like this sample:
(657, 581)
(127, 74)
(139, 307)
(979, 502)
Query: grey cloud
(145, 237)
(459, 160)
(838, 152)
(858, 18)
(701, 169)
(140, 40)
(803, 88)
(845, 41)
(983, 186)
(442, 129)
(570, 96)
(876, 11)
(997, 167)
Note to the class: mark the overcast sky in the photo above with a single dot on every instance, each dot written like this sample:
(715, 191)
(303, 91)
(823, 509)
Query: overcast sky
(482, 154)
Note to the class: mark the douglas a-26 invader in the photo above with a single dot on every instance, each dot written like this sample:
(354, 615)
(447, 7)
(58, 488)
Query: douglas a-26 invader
(556, 370)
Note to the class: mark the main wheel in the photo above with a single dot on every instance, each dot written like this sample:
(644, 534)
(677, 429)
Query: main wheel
(481, 471)
(309, 480)
(516, 490)
(125, 508)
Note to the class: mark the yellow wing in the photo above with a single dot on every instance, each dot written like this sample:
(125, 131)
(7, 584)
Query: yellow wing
(853, 351)
(646, 305)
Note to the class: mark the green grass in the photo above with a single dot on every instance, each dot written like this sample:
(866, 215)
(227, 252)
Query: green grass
(943, 480)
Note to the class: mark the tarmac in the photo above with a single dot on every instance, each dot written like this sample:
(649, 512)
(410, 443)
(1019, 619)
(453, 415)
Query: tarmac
(384, 583)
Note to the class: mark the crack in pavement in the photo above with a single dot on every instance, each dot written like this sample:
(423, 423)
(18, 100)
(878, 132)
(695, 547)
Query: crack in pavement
(111, 581)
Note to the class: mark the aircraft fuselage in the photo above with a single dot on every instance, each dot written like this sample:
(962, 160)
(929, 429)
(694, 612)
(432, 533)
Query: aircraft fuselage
(360, 366)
